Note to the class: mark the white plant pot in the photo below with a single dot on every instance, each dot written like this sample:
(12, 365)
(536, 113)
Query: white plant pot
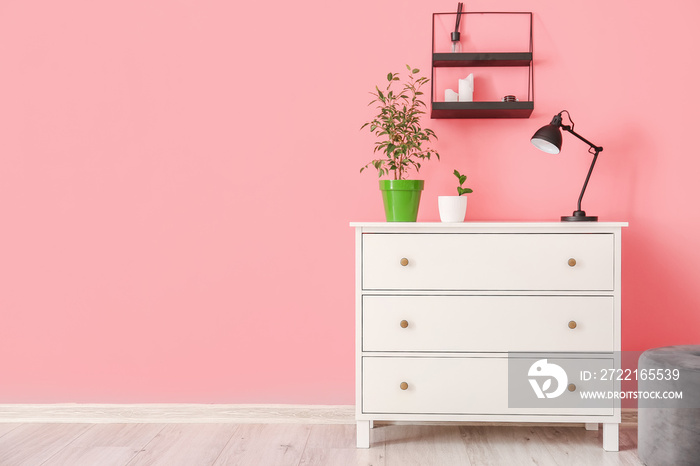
(453, 209)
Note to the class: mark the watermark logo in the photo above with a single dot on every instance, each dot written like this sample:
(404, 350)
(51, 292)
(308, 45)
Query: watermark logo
(547, 372)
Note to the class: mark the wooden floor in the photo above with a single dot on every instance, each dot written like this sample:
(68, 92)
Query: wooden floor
(305, 444)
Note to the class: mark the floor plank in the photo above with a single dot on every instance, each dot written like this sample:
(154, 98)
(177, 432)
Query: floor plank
(185, 444)
(307, 445)
(424, 445)
(581, 447)
(266, 444)
(33, 444)
(505, 445)
(336, 445)
(106, 445)
(5, 428)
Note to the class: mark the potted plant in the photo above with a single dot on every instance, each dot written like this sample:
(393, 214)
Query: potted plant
(454, 208)
(401, 139)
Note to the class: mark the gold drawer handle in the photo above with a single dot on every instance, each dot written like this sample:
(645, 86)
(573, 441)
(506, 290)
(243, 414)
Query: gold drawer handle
(404, 261)
(572, 262)
(404, 386)
(572, 324)
(404, 324)
(571, 387)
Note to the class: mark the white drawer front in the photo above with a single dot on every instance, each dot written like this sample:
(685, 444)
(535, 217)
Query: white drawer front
(456, 386)
(487, 262)
(487, 323)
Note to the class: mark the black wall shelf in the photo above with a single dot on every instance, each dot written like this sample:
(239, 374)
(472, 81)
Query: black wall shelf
(481, 59)
(522, 109)
(482, 109)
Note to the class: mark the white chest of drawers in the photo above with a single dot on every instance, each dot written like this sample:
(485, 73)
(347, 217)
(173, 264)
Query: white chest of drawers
(441, 310)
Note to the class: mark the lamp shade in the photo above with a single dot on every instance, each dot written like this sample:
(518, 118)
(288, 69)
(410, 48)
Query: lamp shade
(548, 139)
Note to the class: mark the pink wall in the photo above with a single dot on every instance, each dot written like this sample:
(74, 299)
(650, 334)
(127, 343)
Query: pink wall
(177, 178)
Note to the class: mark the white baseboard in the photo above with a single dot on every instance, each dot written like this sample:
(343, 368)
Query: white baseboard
(199, 413)
(177, 413)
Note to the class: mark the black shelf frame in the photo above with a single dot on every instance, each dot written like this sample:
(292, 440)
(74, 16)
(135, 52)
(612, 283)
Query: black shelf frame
(486, 59)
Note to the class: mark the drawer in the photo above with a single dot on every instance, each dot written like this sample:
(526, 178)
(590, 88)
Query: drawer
(475, 386)
(414, 261)
(487, 323)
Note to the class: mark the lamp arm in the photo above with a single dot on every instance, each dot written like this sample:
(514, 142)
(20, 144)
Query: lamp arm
(597, 150)
(588, 177)
(571, 130)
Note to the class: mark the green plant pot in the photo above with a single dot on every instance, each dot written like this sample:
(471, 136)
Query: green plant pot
(401, 199)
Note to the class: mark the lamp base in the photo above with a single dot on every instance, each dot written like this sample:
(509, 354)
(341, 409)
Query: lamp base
(579, 216)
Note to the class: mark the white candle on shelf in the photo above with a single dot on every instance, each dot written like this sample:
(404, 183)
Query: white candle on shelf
(466, 88)
(451, 96)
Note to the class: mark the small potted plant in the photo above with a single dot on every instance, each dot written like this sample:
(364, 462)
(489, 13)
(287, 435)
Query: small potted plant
(454, 208)
(402, 140)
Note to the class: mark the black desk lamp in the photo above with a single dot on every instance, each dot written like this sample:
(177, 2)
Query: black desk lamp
(548, 139)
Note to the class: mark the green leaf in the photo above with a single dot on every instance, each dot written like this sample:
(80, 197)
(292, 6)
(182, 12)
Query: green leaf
(415, 71)
(389, 77)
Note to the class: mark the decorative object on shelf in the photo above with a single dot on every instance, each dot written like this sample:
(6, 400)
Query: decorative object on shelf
(509, 98)
(548, 139)
(453, 209)
(443, 58)
(466, 88)
(454, 37)
(451, 96)
(401, 139)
